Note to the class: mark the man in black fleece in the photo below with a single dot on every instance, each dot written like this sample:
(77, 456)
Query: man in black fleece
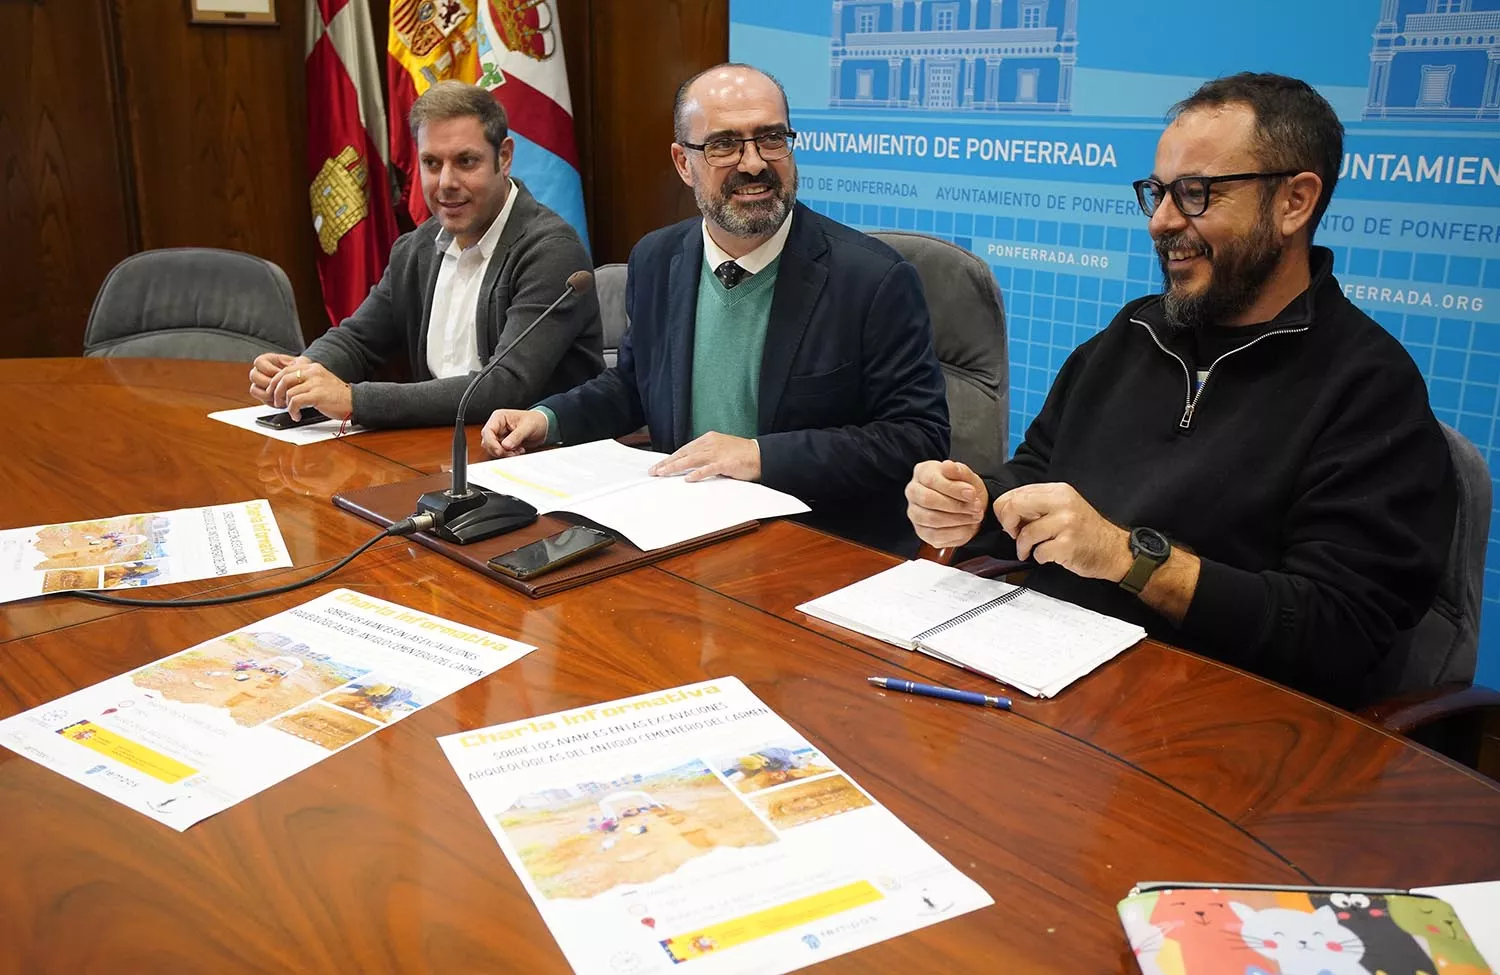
(1246, 464)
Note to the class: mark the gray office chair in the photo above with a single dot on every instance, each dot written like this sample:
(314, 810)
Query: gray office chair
(609, 284)
(968, 327)
(1436, 682)
(193, 303)
(1445, 644)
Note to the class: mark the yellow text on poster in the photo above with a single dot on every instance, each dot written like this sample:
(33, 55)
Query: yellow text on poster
(127, 752)
(727, 934)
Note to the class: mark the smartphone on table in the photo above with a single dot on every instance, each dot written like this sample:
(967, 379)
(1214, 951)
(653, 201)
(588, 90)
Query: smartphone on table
(549, 553)
(284, 421)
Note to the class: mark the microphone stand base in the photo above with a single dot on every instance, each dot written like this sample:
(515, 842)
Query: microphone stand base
(476, 516)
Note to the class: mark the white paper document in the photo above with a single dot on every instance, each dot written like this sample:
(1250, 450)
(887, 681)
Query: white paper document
(609, 483)
(131, 551)
(1032, 642)
(197, 732)
(245, 419)
(695, 827)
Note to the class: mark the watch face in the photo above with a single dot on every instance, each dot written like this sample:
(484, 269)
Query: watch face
(1150, 543)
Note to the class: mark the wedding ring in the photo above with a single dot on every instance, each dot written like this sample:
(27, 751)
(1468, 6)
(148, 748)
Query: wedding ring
(299, 375)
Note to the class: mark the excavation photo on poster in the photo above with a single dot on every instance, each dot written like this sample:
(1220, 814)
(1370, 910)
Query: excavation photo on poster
(585, 838)
(192, 734)
(694, 826)
(773, 763)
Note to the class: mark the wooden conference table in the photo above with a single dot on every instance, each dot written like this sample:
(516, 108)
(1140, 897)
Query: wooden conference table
(1161, 765)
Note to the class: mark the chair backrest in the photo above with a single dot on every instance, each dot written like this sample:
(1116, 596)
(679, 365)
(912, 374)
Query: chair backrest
(609, 285)
(968, 328)
(193, 303)
(1444, 645)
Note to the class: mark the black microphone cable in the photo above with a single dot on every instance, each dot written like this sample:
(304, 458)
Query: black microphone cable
(406, 526)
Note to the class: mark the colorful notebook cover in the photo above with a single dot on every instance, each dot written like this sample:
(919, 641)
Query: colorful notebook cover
(1186, 930)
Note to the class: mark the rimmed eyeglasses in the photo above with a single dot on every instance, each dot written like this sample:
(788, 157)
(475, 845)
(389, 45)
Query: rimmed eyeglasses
(1190, 193)
(727, 150)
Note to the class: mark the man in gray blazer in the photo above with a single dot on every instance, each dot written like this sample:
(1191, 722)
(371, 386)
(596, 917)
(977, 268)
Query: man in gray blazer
(458, 288)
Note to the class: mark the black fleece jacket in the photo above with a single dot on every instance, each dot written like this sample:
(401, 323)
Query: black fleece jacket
(1308, 474)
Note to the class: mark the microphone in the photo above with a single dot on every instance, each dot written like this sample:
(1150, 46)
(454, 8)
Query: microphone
(466, 513)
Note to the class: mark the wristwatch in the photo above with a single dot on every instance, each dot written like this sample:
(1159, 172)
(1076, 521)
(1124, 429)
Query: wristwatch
(1150, 548)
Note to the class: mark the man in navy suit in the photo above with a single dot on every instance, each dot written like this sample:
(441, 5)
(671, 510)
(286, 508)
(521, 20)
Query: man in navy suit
(767, 343)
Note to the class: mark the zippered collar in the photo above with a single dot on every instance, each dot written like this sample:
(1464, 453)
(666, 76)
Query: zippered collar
(1295, 318)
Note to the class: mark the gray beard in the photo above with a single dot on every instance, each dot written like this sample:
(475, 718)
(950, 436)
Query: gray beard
(749, 220)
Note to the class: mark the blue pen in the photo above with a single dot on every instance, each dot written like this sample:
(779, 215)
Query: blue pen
(946, 693)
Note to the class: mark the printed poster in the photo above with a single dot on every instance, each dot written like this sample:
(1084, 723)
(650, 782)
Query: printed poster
(131, 551)
(194, 733)
(694, 827)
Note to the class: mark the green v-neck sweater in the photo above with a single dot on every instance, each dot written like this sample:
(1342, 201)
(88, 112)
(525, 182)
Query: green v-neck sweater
(729, 336)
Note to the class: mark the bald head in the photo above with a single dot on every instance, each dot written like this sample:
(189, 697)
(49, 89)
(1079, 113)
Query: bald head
(731, 88)
(733, 146)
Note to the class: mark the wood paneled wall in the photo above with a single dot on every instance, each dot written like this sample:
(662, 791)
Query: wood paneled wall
(124, 128)
(66, 215)
(637, 53)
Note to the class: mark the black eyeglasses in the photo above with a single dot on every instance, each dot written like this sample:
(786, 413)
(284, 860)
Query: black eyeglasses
(1190, 193)
(727, 150)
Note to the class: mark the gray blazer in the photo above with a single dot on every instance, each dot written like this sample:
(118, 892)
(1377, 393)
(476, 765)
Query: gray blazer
(528, 269)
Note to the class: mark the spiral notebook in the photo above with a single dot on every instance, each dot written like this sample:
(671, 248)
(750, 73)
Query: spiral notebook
(1029, 641)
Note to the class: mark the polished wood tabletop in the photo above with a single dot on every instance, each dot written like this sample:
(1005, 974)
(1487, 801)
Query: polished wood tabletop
(1162, 765)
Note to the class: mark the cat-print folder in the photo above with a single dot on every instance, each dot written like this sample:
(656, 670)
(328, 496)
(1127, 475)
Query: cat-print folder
(1196, 929)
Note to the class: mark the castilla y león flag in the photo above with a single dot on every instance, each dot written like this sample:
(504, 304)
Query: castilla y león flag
(512, 48)
(347, 155)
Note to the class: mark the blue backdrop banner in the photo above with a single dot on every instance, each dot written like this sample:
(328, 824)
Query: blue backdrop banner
(1014, 129)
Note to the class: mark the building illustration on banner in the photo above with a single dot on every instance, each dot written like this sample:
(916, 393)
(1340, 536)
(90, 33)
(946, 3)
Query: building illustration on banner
(954, 55)
(1436, 59)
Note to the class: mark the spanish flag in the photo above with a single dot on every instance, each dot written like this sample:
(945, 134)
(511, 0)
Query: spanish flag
(513, 49)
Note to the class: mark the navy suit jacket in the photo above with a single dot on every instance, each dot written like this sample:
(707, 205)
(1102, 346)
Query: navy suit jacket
(851, 394)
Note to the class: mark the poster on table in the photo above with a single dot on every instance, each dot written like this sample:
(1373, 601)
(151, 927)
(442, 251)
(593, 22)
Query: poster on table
(132, 551)
(694, 827)
(192, 734)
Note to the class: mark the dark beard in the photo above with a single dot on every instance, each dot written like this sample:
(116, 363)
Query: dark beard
(749, 219)
(1238, 272)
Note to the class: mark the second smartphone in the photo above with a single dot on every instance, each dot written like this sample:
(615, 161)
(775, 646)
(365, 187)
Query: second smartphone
(549, 553)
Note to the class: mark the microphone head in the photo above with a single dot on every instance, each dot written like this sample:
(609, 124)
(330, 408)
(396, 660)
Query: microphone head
(581, 281)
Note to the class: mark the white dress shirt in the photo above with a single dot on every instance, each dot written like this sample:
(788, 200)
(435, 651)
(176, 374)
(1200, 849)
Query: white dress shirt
(452, 346)
(755, 261)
